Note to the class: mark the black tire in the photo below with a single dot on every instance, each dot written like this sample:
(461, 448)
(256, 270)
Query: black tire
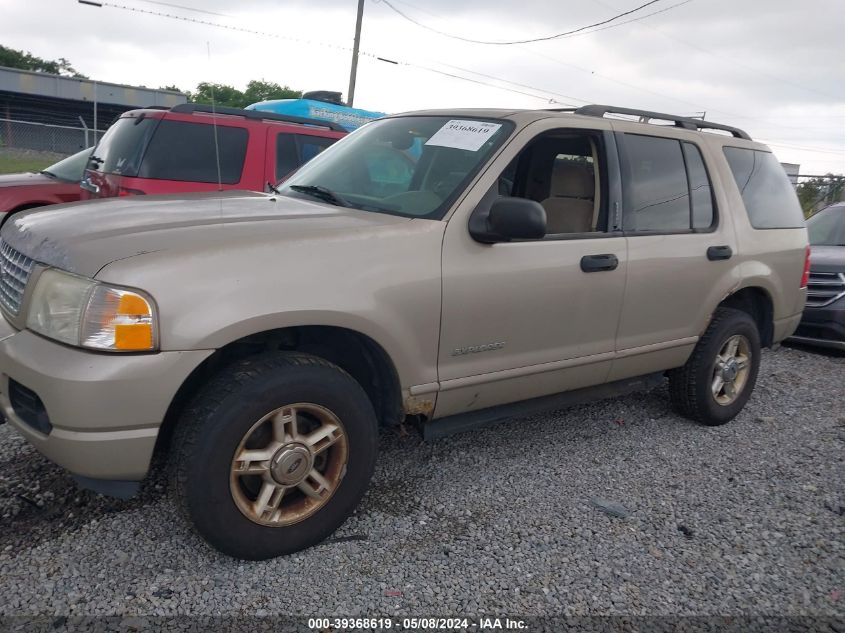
(690, 386)
(217, 419)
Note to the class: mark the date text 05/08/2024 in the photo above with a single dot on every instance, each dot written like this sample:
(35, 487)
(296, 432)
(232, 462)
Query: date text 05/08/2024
(416, 624)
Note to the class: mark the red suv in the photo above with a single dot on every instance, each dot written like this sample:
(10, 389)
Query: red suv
(193, 147)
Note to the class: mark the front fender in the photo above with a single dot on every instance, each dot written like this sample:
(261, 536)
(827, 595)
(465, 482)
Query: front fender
(384, 283)
(406, 349)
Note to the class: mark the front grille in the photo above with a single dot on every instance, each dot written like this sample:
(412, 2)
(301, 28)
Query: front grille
(15, 268)
(825, 288)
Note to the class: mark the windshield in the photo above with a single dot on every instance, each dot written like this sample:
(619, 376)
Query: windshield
(410, 166)
(70, 168)
(122, 146)
(827, 227)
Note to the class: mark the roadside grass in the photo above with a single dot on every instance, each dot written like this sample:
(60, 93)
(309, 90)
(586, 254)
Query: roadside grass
(15, 164)
(14, 160)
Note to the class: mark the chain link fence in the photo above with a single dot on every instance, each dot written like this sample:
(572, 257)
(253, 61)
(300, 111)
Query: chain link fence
(43, 137)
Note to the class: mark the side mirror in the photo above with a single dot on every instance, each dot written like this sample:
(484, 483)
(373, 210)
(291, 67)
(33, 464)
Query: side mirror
(89, 186)
(508, 219)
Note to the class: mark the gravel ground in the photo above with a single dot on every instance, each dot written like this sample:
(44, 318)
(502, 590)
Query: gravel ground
(743, 519)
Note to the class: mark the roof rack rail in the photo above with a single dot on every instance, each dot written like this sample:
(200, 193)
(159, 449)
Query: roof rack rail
(680, 121)
(189, 108)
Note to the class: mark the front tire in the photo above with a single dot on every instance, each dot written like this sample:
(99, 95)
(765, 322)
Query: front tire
(274, 454)
(717, 380)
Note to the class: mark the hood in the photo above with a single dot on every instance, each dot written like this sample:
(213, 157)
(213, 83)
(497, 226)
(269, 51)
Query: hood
(84, 237)
(827, 259)
(24, 180)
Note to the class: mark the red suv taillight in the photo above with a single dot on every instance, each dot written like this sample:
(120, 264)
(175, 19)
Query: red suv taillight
(125, 191)
(806, 276)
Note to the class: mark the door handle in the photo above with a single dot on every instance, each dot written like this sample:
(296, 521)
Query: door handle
(715, 253)
(596, 263)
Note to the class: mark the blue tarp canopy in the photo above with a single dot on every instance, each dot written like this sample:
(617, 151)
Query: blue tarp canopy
(349, 118)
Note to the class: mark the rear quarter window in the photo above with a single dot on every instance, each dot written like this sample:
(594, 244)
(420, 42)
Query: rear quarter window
(122, 146)
(187, 152)
(768, 196)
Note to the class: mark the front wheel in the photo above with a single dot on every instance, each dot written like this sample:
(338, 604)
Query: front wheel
(274, 454)
(717, 380)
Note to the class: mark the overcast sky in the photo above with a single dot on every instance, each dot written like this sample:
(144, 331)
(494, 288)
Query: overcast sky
(772, 67)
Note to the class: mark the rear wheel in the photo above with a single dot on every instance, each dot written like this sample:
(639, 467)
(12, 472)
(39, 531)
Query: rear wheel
(717, 380)
(274, 454)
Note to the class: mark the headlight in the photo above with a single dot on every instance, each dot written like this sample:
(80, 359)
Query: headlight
(86, 313)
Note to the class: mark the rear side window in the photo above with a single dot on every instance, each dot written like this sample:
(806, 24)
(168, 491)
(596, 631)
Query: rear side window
(666, 186)
(310, 146)
(294, 150)
(187, 152)
(770, 200)
(287, 158)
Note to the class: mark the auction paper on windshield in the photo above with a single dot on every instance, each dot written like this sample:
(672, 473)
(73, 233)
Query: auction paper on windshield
(468, 135)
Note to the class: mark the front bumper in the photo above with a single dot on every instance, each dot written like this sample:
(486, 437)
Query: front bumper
(104, 410)
(823, 327)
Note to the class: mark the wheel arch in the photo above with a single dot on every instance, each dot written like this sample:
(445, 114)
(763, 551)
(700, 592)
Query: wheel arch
(22, 207)
(356, 353)
(757, 303)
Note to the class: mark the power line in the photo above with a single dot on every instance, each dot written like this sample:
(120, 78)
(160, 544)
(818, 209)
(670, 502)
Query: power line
(437, 71)
(417, 7)
(733, 60)
(179, 6)
(536, 96)
(346, 48)
(485, 83)
(789, 146)
(228, 27)
(593, 73)
(509, 43)
(452, 75)
(637, 19)
(805, 148)
(649, 91)
(618, 81)
(574, 34)
(514, 83)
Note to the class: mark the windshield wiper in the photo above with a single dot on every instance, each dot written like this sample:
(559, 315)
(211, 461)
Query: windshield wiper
(273, 188)
(323, 193)
(48, 173)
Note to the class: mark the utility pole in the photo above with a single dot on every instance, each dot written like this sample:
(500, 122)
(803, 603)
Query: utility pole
(95, 113)
(350, 97)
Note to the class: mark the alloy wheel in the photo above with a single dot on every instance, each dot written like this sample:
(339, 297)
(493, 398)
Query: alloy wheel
(731, 369)
(289, 464)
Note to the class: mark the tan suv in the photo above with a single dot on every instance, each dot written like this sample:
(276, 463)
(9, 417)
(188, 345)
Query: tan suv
(454, 266)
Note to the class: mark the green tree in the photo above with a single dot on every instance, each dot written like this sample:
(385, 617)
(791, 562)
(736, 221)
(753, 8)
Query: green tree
(225, 95)
(821, 191)
(808, 196)
(267, 90)
(22, 60)
(218, 94)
